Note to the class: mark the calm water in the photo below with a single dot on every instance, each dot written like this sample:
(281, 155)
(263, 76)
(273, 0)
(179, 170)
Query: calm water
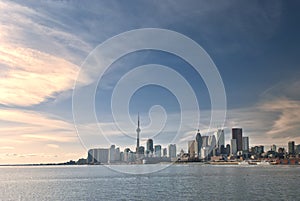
(178, 182)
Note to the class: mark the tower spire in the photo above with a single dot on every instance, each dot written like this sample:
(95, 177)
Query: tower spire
(138, 119)
(138, 130)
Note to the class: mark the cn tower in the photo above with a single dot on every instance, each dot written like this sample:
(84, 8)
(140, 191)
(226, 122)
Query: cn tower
(138, 130)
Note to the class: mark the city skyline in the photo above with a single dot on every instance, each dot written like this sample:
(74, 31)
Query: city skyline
(202, 149)
(238, 144)
(254, 46)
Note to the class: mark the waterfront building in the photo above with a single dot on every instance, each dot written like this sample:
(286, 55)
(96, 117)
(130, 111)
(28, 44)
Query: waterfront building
(245, 144)
(191, 148)
(212, 142)
(172, 150)
(205, 151)
(125, 154)
(122, 156)
(237, 133)
(228, 150)
(81, 161)
(117, 154)
(98, 156)
(150, 146)
(233, 146)
(273, 148)
(297, 150)
(261, 149)
(223, 150)
(112, 154)
(204, 141)
(165, 152)
(215, 152)
(257, 150)
(157, 150)
(198, 144)
(141, 150)
(220, 136)
(281, 150)
(131, 156)
(291, 147)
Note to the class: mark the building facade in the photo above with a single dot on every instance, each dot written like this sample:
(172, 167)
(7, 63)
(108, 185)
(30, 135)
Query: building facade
(98, 156)
(220, 137)
(245, 144)
(198, 144)
(149, 148)
(291, 147)
(172, 150)
(157, 150)
(191, 148)
(237, 133)
(233, 147)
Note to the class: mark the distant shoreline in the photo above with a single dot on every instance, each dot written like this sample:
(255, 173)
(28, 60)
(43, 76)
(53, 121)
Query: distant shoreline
(175, 163)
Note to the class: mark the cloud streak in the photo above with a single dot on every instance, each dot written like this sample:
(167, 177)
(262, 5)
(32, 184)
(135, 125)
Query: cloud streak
(31, 74)
(25, 126)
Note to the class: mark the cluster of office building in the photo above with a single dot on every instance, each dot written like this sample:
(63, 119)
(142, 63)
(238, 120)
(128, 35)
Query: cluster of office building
(202, 148)
(113, 155)
(152, 153)
(205, 147)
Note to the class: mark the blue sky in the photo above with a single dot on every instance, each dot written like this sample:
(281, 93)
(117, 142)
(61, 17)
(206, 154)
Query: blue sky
(254, 45)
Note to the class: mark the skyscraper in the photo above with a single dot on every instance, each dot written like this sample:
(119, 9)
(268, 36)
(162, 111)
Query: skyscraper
(204, 141)
(212, 142)
(191, 148)
(141, 150)
(150, 146)
(172, 150)
(98, 155)
(228, 149)
(291, 146)
(157, 149)
(111, 154)
(297, 149)
(237, 133)
(273, 147)
(138, 130)
(220, 137)
(165, 152)
(245, 144)
(233, 146)
(199, 144)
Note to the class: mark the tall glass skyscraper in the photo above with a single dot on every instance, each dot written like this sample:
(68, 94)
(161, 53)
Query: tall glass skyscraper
(172, 150)
(150, 146)
(237, 134)
(198, 144)
(220, 137)
(245, 144)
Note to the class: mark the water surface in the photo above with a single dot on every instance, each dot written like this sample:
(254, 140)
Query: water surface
(177, 182)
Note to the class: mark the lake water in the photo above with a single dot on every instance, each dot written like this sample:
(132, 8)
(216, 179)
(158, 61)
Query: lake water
(177, 182)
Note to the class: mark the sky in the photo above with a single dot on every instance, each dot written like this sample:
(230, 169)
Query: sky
(46, 45)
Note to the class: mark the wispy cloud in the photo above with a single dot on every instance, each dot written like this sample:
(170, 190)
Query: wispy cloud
(24, 132)
(275, 118)
(287, 123)
(27, 127)
(31, 77)
(30, 74)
